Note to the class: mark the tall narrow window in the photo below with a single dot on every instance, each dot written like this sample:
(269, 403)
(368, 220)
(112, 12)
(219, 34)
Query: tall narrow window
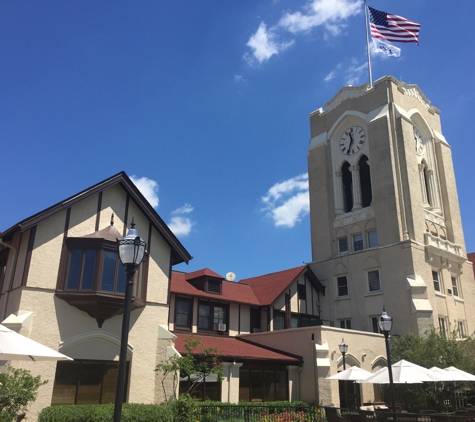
(374, 283)
(372, 238)
(357, 242)
(461, 329)
(183, 307)
(342, 283)
(436, 280)
(343, 244)
(347, 181)
(442, 327)
(426, 182)
(455, 287)
(365, 180)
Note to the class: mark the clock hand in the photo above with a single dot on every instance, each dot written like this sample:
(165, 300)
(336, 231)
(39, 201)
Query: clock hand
(351, 142)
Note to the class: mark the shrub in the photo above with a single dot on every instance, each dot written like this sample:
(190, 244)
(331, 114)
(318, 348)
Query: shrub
(17, 388)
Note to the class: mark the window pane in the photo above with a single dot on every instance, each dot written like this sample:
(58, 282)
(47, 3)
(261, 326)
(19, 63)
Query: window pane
(257, 390)
(219, 316)
(281, 385)
(122, 278)
(108, 271)
(455, 289)
(203, 317)
(342, 286)
(373, 279)
(279, 320)
(269, 386)
(372, 239)
(294, 321)
(183, 313)
(89, 266)
(343, 244)
(358, 242)
(435, 278)
(212, 388)
(75, 261)
(244, 386)
(109, 382)
(65, 383)
(90, 380)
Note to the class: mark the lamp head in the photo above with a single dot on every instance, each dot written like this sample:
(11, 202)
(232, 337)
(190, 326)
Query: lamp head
(385, 322)
(131, 247)
(343, 346)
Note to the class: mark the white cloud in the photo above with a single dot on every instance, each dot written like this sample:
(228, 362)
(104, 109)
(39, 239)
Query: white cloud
(331, 14)
(185, 209)
(179, 224)
(288, 202)
(148, 188)
(330, 76)
(355, 73)
(264, 44)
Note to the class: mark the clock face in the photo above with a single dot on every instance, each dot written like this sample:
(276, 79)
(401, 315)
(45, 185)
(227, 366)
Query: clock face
(418, 141)
(352, 140)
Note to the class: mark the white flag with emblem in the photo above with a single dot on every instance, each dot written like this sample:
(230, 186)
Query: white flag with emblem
(385, 48)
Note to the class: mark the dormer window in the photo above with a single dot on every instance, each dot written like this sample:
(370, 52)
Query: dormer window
(213, 286)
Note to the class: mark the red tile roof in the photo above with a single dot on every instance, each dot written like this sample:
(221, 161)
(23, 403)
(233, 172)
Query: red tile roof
(235, 348)
(201, 273)
(232, 292)
(471, 258)
(269, 287)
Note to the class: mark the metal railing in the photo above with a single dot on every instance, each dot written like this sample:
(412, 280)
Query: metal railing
(261, 413)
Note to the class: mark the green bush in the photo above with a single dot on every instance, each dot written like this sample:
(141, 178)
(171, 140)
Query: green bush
(17, 388)
(132, 412)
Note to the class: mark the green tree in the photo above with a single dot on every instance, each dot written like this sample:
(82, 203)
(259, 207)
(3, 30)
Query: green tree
(17, 388)
(197, 361)
(432, 350)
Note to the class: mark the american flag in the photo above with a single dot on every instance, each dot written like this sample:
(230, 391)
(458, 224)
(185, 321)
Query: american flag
(392, 27)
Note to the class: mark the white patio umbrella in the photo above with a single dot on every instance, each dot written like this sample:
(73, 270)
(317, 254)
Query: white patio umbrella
(459, 375)
(442, 374)
(14, 346)
(351, 374)
(404, 372)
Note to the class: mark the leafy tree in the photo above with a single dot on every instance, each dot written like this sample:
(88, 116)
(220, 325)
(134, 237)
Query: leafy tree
(198, 361)
(432, 350)
(17, 388)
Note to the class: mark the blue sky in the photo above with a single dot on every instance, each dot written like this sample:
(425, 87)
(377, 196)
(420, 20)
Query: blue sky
(206, 104)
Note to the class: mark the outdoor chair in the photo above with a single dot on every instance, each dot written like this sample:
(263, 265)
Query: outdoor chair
(334, 415)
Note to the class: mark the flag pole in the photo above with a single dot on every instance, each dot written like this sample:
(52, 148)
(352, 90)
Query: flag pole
(367, 45)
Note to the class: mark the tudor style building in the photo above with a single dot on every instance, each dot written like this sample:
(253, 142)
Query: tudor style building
(385, 218)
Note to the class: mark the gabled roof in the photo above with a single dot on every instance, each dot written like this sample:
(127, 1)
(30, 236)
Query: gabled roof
(236, 348)
(269, 287)
(179, 253)
(260, 291)
(205, 272)
(231, 292)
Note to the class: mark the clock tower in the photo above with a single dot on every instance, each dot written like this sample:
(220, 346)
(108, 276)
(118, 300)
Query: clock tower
(385, 220)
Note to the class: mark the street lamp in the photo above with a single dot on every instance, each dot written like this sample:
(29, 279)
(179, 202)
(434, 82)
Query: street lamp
(343, 349)
(131, 249)
(385, 323)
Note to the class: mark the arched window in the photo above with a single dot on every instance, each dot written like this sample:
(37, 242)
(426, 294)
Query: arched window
(347, 182)
(365, 180)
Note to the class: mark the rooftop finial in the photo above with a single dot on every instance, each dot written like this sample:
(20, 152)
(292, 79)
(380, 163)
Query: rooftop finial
(112, 219)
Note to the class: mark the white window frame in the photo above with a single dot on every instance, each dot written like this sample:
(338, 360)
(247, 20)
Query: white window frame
(354, 242)
(372, 281)
(368, 238)
(438, 281)
(443, 326)
(338, 287)
(339, 245)
(461, 329)
(455, 286)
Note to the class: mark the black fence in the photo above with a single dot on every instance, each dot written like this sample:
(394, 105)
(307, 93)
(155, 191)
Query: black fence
(261, 413)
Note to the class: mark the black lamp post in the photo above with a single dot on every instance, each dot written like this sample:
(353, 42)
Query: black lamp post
(131, 250)
(343, 349)
(385, 324)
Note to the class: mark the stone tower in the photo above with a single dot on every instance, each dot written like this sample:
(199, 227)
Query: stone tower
(385, 220)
